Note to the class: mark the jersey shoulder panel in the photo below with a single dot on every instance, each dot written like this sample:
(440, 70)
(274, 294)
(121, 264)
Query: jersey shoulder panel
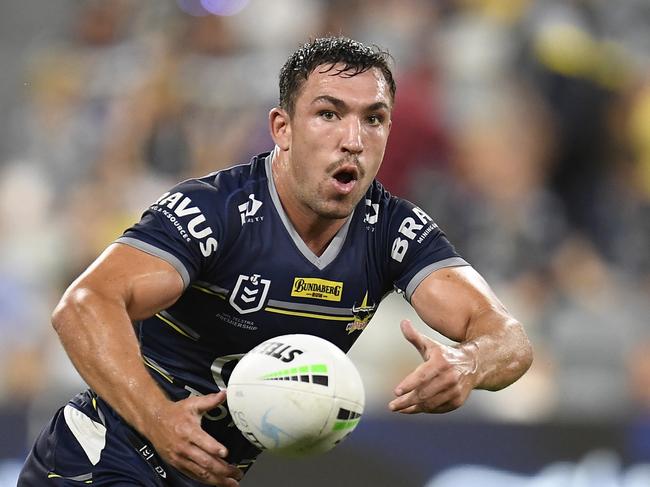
(412, 243)
(189, 225)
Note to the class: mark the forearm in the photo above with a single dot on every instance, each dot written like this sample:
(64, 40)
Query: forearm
(491, 351)
(498, 348)
(98, 336)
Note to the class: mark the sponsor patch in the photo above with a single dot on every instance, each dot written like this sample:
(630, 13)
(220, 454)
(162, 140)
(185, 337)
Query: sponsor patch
(312, 287)
(248, 210)
(178, 209)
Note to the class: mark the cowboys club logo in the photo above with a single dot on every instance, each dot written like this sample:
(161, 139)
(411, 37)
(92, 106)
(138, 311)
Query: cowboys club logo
(249, 294)
(362, 316)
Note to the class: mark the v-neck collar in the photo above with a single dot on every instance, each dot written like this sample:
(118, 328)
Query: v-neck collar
(333, 249)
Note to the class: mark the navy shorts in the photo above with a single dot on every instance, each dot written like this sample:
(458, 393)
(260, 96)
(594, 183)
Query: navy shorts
(86, 443)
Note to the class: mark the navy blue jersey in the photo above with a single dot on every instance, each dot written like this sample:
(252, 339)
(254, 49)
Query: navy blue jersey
(248, 275)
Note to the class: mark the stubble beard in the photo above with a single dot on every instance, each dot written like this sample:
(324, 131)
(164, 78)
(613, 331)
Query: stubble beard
(337, 209)
(329, 208)
(334, 213)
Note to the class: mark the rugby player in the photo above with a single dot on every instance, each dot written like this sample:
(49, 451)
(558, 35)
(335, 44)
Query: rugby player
(302, 239)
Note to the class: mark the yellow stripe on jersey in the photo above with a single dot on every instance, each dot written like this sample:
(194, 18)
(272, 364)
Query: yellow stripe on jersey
(208, 291)
(52, 475)
(152, 366)
(158, 315)
(308, 315)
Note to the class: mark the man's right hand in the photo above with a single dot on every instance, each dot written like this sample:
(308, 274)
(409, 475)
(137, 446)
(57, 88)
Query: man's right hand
(177, 436)
(94, 320)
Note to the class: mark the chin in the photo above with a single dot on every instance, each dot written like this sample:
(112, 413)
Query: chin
(335, 212)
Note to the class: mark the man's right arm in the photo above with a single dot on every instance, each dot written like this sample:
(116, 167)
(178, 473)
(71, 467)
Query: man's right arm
(94, 322)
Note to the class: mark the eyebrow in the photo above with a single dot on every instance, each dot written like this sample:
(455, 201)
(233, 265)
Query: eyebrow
(340, 104)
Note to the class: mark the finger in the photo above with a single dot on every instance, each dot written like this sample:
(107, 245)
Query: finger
(415, 409)
(203, 404)
(419, 376)
(445, 408)
(417, 339)
(211, 464)
(404, 402)
(195, 472)
(428, 398)
(227, 475)
(432, 371)
(208, 444)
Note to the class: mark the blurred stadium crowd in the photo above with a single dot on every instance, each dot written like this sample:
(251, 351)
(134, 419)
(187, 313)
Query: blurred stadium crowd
(522, 127)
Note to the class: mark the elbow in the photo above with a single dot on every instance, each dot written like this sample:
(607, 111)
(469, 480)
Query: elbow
(70, 307)
(63, 311)
(523, 357)
(527, 355)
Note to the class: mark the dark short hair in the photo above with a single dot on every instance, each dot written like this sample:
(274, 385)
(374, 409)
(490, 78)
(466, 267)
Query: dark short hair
(355, 57)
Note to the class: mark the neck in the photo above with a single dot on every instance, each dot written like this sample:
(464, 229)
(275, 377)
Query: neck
(316, 231)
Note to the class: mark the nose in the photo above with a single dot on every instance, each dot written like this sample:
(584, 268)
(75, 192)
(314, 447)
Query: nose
(352, 142)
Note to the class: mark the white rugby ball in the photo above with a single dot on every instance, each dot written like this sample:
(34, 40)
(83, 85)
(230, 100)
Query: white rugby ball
(295, 395)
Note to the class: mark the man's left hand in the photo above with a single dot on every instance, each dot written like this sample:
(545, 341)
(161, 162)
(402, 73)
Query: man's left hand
(442, 382)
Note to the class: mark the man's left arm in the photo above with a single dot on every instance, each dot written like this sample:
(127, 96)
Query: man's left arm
(492, 352)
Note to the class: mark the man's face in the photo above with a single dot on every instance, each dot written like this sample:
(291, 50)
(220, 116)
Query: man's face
(339, 131)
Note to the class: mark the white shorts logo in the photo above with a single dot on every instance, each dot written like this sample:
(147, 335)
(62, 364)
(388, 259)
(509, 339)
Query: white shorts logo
(249, 294)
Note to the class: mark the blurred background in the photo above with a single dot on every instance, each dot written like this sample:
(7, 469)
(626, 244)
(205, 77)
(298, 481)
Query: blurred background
(521, 126)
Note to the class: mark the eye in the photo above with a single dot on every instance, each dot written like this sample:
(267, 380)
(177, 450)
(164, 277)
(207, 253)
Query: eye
(327, 114)
(375, 120)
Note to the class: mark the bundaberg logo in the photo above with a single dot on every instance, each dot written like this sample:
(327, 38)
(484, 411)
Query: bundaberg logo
(312, 287)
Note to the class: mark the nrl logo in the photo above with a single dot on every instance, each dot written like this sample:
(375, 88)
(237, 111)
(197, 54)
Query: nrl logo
(362, 315)
(249, 294)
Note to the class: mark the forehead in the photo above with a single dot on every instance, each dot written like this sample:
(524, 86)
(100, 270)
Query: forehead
(364, 88)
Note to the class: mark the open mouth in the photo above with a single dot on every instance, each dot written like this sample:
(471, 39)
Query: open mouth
(345, 179)
(346, 174)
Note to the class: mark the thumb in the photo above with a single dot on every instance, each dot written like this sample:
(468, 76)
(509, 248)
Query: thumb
(203, 404)
(417, 339)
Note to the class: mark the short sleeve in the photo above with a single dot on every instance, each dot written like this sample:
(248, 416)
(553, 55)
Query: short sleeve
(183, 227)
(418, 247)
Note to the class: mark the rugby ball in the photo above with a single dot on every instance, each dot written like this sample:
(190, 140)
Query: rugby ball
(295, 395)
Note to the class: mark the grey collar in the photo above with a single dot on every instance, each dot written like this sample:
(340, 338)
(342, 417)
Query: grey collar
(335, 246)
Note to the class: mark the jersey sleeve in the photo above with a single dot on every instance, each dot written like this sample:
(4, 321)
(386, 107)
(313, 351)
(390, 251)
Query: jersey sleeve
(417, 247)
(183, 227)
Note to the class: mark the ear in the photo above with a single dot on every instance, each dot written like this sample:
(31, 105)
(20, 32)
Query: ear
(280, 127)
